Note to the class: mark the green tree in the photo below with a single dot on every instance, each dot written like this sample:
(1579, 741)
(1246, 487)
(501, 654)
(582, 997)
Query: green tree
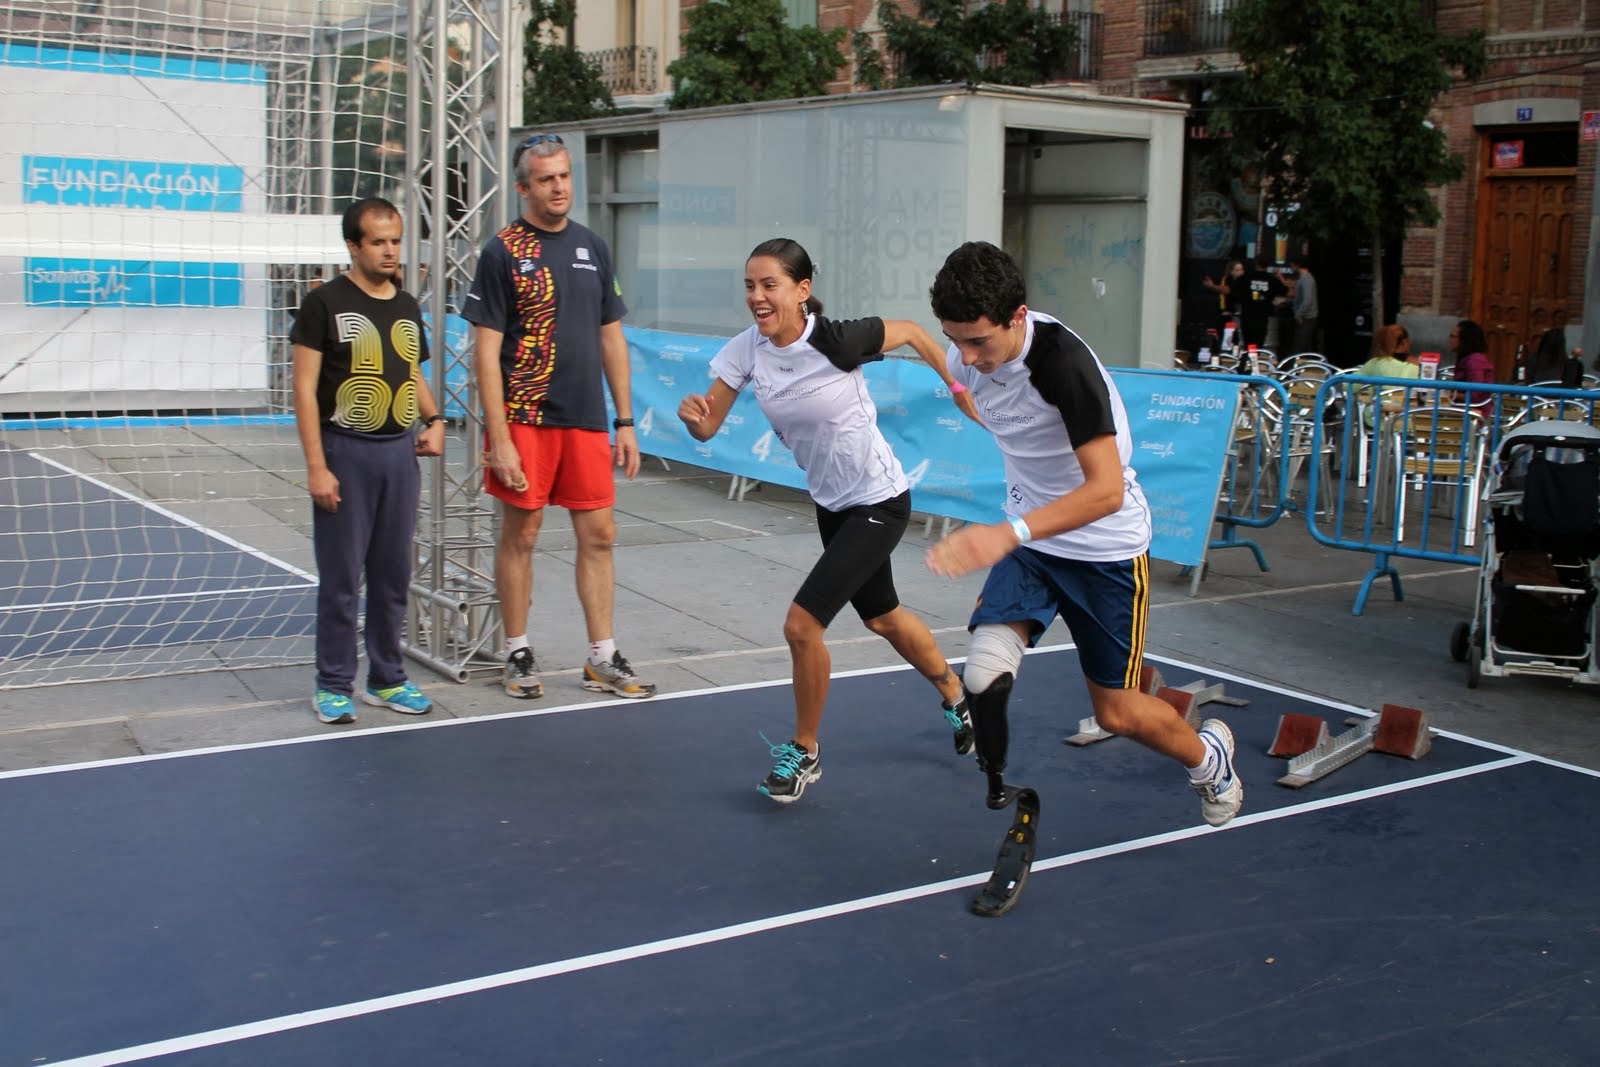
(1009, 42)
(740, 51)
(560, 84)
(1333, 106)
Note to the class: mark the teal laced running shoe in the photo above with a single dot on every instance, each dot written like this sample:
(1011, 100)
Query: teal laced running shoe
(960, 720)
(795, 769)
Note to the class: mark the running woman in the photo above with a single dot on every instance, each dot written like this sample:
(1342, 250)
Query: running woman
(806, 372)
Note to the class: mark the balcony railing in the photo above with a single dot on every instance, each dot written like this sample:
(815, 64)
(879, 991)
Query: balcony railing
(633, 70)
(1082, 64)
(1183, 27)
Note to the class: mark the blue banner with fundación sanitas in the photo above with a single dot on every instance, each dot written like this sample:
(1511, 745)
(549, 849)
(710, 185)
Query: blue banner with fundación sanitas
(1182, 425)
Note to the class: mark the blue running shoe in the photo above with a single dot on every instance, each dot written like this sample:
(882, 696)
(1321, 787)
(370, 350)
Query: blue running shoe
(405, 698)
(796, 768)
(333, 707)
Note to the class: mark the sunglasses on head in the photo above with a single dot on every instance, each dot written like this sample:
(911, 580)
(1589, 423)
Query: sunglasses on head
(536, 139)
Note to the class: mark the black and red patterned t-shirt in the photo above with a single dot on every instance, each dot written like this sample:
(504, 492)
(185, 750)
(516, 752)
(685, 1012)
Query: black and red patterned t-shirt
(548, 293)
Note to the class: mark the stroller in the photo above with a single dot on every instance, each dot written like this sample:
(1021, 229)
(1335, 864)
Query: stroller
(1534, 612)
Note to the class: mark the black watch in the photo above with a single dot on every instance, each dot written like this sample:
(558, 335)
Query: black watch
(617, 424)
(431, 419)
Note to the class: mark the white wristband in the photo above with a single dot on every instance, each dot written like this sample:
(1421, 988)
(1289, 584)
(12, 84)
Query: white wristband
(1020, 528)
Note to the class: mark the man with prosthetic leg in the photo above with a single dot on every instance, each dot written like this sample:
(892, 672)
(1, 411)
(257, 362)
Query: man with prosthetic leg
(1074, 543)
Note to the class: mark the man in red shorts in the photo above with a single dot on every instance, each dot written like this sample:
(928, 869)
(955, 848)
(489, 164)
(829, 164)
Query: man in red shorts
(548, 313)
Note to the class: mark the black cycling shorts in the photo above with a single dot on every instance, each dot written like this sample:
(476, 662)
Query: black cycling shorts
(857, 544)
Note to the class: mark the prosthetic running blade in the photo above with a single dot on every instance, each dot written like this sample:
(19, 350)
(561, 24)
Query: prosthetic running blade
(1015, 860)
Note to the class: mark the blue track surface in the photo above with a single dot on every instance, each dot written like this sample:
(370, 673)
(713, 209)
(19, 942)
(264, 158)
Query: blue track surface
(1356, 920)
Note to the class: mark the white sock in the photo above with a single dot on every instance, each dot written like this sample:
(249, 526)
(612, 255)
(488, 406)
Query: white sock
(601, 651)
(514, 643)
(1210, 768)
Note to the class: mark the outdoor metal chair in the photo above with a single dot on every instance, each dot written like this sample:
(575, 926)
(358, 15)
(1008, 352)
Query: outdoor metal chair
(1439, 446)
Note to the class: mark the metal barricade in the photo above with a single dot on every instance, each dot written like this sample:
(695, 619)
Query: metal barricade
(1410, 461)
(1257, 489)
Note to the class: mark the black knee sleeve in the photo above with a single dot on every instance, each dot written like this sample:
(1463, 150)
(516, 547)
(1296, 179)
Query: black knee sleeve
(991, 732)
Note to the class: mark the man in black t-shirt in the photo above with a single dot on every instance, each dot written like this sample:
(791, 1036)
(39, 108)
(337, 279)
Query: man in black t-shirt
(1262, 290)
(358, 394)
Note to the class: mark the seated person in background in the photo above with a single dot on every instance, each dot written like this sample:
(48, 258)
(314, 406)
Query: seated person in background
(1391, 345)
(1471, 348)
(1552, 361)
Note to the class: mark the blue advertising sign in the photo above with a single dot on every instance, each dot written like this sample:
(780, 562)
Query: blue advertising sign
(1181, 425)
(131, 183)
(83, 283)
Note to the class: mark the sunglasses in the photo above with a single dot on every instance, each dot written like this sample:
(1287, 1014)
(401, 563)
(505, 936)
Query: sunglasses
(536, 139)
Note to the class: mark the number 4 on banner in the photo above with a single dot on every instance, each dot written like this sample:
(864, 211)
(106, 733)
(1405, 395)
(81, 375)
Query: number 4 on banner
(646, 421)
(763, 447)
(915, 475)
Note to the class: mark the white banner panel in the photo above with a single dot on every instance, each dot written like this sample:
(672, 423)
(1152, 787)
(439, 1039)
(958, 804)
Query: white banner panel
(112, 137)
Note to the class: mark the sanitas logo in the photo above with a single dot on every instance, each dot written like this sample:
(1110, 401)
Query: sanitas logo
(96, 285)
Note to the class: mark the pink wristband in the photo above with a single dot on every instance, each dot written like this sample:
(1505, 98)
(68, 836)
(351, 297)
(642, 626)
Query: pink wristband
(956, 388)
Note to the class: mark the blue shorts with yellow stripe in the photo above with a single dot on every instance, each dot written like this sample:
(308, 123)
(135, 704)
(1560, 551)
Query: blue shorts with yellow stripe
(1104, 605)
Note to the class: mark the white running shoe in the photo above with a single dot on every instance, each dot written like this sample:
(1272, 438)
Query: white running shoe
(1220, 798)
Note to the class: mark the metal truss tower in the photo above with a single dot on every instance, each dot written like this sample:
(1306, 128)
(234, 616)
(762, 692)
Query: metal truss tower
(461, 103)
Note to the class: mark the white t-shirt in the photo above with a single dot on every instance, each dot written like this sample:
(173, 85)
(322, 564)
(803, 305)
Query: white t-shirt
(815, 396)
(1040, 407)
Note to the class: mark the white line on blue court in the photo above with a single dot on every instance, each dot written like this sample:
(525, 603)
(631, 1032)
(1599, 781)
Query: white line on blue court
(596, 705)
(192, 596)
(303, 1020)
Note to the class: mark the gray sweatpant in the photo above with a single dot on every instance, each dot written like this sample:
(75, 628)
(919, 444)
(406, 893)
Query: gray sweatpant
(379, 487)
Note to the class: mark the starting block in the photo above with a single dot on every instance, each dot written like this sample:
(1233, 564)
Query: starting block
(1298, 734)
(1186, 698)
(1396, 731)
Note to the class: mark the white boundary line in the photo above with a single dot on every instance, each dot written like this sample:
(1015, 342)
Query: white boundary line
(437, 724)
(175, 517)
(528, 713)
(303, 1020)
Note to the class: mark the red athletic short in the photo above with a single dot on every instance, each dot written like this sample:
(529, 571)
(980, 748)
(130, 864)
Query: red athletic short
(565, 467)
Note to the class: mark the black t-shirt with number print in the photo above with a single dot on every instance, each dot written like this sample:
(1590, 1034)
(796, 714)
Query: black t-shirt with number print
(370, 349)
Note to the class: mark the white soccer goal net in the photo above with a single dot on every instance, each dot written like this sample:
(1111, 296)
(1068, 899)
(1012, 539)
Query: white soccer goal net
(172, 174)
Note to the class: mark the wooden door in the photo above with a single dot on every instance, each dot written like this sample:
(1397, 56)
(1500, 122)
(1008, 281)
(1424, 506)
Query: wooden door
(1526, 252)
